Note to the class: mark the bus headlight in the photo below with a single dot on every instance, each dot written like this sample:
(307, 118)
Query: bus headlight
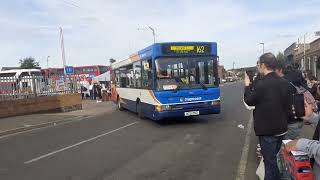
(215, 103)
(162, 107)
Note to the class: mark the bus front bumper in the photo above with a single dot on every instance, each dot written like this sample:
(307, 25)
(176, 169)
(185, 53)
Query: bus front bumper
(158, 115)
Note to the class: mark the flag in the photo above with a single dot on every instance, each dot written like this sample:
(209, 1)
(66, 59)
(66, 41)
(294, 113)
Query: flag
(62, 50)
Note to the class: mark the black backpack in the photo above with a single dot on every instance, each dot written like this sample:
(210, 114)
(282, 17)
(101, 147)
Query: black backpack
(297, 106)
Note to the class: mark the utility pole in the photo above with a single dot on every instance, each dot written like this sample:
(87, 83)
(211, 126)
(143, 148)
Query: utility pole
(304, 49)
(234, 71)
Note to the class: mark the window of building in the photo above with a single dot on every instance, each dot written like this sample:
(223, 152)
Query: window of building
(103, 69)
(77, 70)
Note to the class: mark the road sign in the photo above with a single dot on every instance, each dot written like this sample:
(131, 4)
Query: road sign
(92, 75)
(69, 69)
(60, 83)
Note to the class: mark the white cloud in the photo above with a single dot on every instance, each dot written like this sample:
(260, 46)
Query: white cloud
(97, 30)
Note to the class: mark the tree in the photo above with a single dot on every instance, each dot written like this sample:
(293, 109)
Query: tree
(281, 57)
(111, 60)
(241, 75)
(28, 63)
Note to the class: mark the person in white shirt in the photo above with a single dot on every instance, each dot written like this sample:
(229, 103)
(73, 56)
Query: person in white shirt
(91, 90)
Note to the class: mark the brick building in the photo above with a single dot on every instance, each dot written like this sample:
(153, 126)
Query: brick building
(221, 72)
(312, 57)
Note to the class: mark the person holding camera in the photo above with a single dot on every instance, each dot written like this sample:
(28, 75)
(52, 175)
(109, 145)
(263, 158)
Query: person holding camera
(272, 101)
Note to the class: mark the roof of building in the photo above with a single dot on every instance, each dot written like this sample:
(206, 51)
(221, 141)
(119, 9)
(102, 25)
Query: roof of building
(315, 40)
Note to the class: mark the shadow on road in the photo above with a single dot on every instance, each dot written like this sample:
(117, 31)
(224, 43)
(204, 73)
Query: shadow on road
(181, 121)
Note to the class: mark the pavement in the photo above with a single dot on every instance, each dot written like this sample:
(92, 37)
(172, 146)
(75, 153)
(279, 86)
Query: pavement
(118, 145)
(19, 124)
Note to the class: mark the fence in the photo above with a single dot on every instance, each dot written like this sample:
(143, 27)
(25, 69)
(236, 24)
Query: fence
(14, 88)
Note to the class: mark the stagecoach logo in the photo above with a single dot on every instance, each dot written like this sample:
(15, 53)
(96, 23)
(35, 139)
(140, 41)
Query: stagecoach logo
(190, 99)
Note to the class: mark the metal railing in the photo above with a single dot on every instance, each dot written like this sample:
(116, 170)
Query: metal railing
(14, 88)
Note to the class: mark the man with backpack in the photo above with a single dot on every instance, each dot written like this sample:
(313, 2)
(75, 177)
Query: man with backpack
(295, 122)
(272, 101)
(299, 96)
(300, 108)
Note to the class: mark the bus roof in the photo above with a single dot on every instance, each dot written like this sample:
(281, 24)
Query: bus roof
(170, 49)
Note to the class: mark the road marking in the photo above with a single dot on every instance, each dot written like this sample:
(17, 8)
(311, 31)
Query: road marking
(245, 151)
(61, 122)
(79, 143)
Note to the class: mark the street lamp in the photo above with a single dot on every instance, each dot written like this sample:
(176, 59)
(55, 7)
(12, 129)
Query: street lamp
(153, 33)
(152, 30)
(48, 61)
(262, 47)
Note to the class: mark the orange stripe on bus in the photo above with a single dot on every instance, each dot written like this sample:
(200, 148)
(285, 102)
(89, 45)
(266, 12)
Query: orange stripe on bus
(154, 98)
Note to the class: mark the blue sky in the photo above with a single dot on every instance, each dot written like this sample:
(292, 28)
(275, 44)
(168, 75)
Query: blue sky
(97, 30)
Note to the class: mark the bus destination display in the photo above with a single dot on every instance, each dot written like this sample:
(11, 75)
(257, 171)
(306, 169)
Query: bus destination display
(171, 49)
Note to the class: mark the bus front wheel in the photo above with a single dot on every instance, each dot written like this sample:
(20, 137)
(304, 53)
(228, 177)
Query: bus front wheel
(119, 104)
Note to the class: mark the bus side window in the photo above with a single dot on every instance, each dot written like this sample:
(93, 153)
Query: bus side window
(137, 74)
(146, 73)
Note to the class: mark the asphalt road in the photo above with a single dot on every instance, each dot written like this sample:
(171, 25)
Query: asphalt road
(119, 146)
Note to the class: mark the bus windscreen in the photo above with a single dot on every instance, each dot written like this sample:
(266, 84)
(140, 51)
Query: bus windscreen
(186, 73)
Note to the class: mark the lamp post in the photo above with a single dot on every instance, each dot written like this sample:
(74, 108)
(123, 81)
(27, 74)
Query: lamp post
(48, 61)
(304, 48)
(153, 33)
(152, 30)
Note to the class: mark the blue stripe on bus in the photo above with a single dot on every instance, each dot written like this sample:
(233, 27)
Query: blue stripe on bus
(187, 96)
(150, 112)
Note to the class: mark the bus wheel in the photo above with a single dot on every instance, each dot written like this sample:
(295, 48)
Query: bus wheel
(119, 104)
(139, 110)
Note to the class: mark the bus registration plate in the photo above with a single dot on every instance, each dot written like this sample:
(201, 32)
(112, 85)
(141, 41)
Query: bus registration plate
(191, 113)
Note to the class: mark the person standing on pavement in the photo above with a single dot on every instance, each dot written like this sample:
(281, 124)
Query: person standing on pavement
(95, 92)
(99, 94)
(271, 100)
(91, 90)
(295, 124)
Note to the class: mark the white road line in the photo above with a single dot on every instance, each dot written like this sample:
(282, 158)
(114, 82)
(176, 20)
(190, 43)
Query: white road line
(65, 121)
(77, 144)
(245, 151)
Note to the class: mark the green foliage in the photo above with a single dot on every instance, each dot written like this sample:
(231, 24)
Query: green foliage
(28, 63)
(281, 57)
(241, 75)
